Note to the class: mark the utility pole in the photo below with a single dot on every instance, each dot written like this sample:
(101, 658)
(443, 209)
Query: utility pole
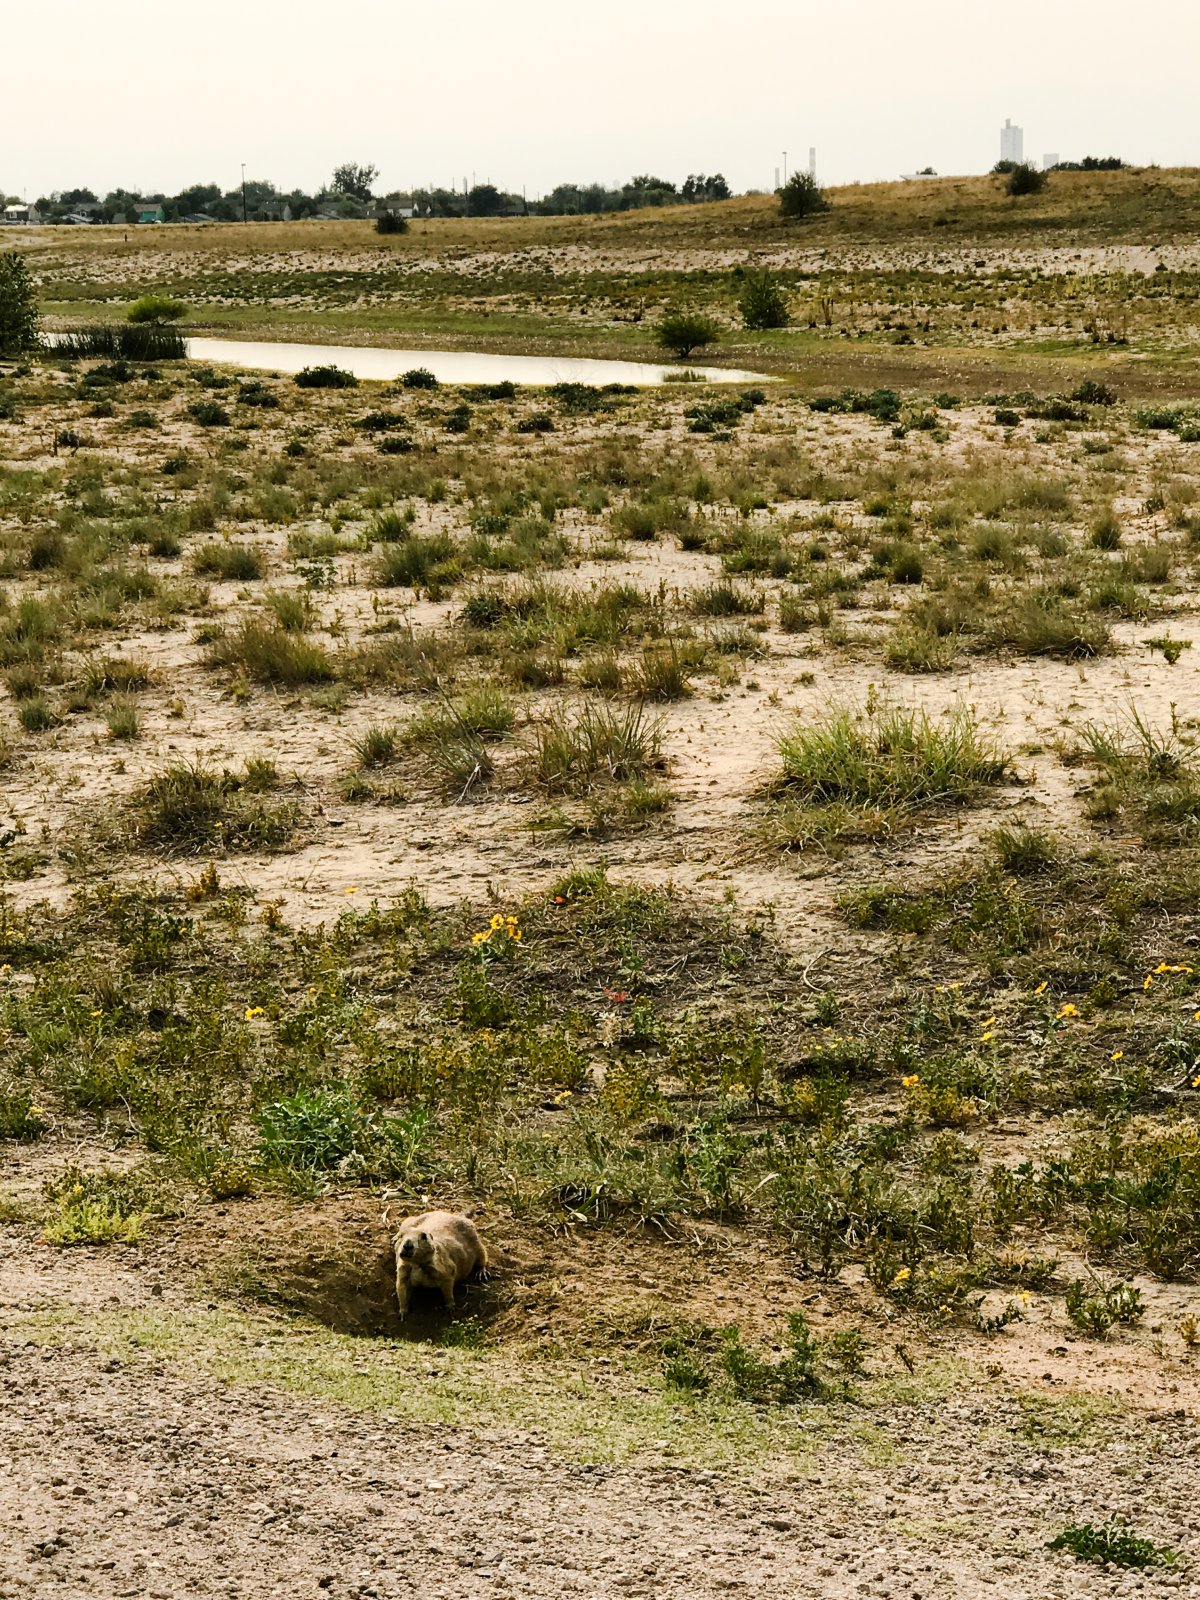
(244, 218)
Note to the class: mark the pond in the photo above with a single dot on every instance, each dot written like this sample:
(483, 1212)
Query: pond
(448, 366)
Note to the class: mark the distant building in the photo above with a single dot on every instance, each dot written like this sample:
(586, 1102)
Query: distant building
(912, 177)
(21, 214)
(151, 214)
(1049, 162)
(1012, 142)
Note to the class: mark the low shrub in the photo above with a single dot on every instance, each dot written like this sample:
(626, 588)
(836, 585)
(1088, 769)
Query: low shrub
(327, 377)
(681, 332)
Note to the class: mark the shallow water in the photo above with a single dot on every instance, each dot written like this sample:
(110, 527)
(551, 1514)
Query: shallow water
(449, 366)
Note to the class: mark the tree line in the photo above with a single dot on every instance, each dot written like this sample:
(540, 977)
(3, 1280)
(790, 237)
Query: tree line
(352, 193)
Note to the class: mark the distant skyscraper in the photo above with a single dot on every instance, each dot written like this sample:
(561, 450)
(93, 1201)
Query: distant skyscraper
(812, 162)
(1050, 161)
(1012, 142)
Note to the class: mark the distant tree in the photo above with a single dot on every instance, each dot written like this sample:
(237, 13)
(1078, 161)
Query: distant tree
(1024, 179)
(802, 196)
(681, 332)
(354, 179)
(18, 306)
(698, 188)
(1002, 168)
(391, 222)
(121, 203)
(196, 197)
(762, 302)
(485, 200)
(157, 308)
(1091, 164)
(645, 190)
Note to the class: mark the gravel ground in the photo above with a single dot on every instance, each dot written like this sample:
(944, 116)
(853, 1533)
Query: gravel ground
(134, 1477)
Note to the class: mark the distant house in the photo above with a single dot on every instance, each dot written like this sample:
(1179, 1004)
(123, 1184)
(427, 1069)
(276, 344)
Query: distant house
(76, 219)
(394, 205)
(21, 214)
(151, 214)
(273, 211)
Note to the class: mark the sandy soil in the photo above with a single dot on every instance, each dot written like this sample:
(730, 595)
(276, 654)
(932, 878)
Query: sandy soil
(124, 1475)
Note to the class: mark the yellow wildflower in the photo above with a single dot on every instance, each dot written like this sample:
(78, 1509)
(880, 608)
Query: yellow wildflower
(1042, 987)
(497, 921)
(986, 1038)
(1068, 1011)
(352, 890)
(479, 938)
(989, 1022)
(902, 1276)
(1117, 1055)
(1149, 983)
(252, 1012)
(911, 1081)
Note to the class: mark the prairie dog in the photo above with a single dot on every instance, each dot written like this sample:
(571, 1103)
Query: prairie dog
(436, 1250)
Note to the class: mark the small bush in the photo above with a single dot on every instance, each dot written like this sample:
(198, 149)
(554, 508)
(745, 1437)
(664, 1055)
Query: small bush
(596, 744)
(1112, 1543)
(1096, 1308)
(887, 757)
(122, 719)
(1025, 179)
(187, 809)
(20, 1119)
(792, 1379)
(35, 715)
(762, 302)
(419, 378)
(419, 561)
(18, 306)
(802, 196)
(328, 377)
(272, 654)
(681, 332)
(156, 308)
(1022, 850)
(391, 222)
(208, 413)
(101, 1207)
(233, 563)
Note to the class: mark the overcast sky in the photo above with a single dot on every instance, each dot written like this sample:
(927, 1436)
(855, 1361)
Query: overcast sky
(535, 92)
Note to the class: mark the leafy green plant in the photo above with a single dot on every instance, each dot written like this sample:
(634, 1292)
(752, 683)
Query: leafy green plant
(762, 302)
(20, 1119)
(103, 1207)
(802, 196)
(19, 320)
(1098, 1307)
(156, 308)
(1112, 1542)
(683, 331)
(792, 1379)
(1025, 179)
(325, 377)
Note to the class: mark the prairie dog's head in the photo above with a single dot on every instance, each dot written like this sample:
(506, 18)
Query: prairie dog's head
(416, 1247)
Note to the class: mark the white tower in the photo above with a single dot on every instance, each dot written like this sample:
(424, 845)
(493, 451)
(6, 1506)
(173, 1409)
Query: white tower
(1012, 142)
